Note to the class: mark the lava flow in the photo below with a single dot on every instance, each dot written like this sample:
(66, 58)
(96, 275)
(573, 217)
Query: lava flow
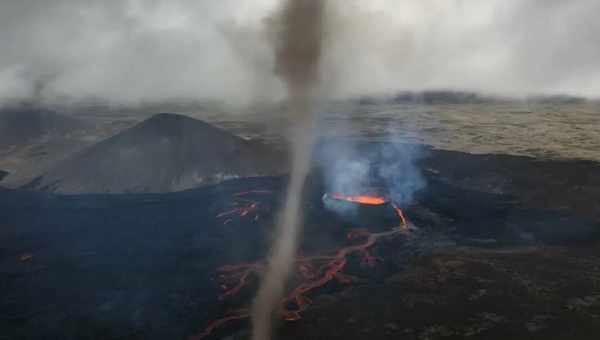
(369, 200)
(310, 272)
(244, 207)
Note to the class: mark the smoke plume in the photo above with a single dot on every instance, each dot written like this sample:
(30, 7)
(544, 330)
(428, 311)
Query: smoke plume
(387, 168)
(298, 40)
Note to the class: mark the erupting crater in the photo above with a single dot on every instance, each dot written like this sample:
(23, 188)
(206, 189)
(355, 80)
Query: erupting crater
(363, 208)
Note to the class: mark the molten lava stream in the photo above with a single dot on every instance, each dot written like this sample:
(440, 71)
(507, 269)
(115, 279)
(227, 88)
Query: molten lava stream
(241, 315)
(312, 271)
(244, 207)
(400, 213)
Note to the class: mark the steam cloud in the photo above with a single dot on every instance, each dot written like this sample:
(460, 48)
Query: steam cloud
(298, 40)
(135, 51)
(389, 169)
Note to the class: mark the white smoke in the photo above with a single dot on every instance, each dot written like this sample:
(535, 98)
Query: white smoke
(387, 168)
(14, 85)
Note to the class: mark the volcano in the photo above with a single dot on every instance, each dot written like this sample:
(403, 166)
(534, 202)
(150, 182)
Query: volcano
(186, 264)
(165, 153)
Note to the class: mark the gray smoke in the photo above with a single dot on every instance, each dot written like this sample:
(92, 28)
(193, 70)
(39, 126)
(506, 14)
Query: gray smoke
(298, 41)
(134, 51)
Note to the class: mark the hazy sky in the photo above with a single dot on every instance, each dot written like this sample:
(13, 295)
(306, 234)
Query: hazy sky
(132, 51)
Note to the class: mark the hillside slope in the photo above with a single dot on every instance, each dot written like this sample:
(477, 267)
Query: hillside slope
(167, 152)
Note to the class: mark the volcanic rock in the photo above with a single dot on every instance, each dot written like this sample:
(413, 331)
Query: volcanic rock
(510, 310)
(167, 152)
(23, 124)
(144, 266)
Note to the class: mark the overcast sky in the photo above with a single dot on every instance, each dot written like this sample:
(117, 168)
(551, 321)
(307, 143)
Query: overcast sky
(132, 51)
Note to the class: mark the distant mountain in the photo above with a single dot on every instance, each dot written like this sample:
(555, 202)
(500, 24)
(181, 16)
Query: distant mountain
(556, 99)
(442, 97)
(462, 97)
(33, 139)
(21, 125)
(3, 174)
(167, 152)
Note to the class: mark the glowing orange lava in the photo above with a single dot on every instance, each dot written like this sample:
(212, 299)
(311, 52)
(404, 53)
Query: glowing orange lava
(370, 200)
(400, 213)
(309, 272)
(243, 207)
(360, 199)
